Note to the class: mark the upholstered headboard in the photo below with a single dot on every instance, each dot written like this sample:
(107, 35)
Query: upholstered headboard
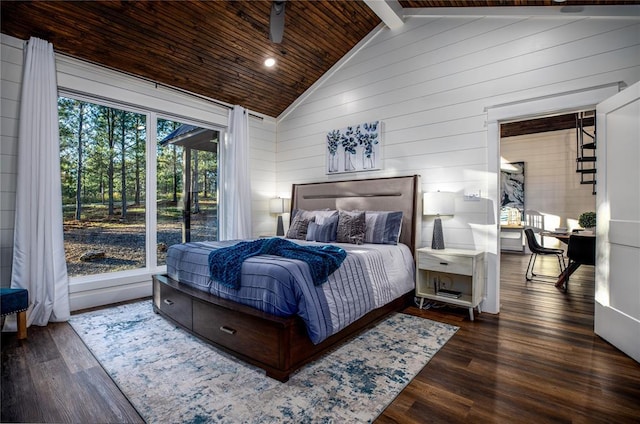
(376, 194)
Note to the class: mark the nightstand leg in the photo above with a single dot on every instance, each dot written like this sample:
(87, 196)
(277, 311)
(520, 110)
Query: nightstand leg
(471, 314)
(421, 302)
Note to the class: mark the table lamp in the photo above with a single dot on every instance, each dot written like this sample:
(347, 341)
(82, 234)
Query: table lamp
(437, 203)
(278, 206)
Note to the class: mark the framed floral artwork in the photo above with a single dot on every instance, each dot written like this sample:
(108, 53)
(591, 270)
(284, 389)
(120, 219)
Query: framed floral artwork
(354, 148)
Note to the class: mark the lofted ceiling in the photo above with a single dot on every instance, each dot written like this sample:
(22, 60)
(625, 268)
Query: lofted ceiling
(217, 48)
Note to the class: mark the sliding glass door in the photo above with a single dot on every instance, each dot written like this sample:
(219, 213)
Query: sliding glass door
(187, 184)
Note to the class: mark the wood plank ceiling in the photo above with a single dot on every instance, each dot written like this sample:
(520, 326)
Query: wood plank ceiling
(215, 48)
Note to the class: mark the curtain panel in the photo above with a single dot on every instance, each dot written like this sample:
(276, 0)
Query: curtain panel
(38, 246)
(235, 183)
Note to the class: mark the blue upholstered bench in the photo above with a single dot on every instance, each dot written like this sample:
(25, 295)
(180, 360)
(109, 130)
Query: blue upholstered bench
(15, 301)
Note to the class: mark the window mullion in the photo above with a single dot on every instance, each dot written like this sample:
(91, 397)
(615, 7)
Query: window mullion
(151, 190)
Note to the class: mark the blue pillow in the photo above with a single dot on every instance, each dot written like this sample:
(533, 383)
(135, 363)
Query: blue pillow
(383, 227)
(325, 233)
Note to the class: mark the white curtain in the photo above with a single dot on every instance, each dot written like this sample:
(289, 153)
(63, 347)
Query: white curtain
(38, 244)
(235, 183)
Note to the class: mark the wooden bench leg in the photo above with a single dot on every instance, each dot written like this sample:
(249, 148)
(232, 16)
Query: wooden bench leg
(22, 325)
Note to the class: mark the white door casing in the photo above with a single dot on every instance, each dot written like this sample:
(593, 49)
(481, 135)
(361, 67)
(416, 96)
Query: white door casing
(617, 295)
(566, 102)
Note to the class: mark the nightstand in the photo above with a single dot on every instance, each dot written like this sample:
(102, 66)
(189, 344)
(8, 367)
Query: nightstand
(454, 276)
(512, 238)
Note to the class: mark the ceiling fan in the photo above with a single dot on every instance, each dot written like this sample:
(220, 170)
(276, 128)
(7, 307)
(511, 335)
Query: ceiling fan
(276, 22)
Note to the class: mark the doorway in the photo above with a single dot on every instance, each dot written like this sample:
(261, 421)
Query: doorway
(557, 174)
(519, 111)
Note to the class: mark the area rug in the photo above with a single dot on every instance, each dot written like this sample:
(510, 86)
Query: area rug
(171, 376)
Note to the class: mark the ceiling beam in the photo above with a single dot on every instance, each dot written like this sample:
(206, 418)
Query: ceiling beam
(390, 11)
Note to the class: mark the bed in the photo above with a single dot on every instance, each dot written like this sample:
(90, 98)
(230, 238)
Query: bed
(277, 341)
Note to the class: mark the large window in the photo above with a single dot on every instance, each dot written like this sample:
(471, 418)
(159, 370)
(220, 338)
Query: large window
(111, 221)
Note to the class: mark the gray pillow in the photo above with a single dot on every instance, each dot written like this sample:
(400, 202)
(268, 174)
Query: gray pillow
(320, 214)
(351, 227)
(298, 228)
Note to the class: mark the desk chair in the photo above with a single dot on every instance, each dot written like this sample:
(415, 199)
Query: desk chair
(581, 250)
(536, 249)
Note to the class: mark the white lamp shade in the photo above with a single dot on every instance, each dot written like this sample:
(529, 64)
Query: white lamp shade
(438, 203)
(279, 205)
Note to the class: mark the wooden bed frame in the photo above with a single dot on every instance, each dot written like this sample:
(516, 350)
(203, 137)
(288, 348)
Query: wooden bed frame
(279, 345)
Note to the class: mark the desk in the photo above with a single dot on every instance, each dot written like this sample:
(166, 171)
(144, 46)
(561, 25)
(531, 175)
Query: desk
(563, 237)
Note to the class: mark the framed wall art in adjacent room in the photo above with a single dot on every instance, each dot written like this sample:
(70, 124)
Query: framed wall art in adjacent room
(512, 190)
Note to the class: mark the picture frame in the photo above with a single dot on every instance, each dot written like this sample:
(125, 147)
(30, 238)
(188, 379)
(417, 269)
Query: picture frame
(354, 148)
(512, 188)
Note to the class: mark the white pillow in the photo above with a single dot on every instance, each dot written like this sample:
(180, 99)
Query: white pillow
(319, 215)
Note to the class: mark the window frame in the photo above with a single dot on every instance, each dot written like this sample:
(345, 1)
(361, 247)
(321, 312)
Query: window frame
(151, 211)
(92, 83)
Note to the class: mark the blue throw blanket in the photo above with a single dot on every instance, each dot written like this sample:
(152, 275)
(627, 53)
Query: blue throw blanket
(225, 263)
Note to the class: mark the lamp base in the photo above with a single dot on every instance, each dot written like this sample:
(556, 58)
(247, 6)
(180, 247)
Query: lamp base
(280, 228)
(437, 242)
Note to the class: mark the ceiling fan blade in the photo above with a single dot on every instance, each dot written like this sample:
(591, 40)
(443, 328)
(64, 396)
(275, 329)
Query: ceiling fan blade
(276, 22)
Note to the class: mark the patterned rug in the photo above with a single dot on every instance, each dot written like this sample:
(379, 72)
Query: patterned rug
(171, 376)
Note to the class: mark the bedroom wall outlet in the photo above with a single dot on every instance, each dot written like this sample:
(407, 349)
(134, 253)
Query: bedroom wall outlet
(472, 194)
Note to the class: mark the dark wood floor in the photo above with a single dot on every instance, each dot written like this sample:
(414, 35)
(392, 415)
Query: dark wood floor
(538, 361)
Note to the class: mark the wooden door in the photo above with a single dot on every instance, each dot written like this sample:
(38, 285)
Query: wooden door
(617, 306)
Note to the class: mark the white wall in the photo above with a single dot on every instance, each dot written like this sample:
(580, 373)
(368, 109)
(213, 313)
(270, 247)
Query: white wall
(77, 76)
(431, 81)
(552, 185)
(11, 78)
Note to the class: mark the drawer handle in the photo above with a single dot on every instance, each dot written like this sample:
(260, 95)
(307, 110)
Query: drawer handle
(227, 330)
(444, 263)
(168, 302)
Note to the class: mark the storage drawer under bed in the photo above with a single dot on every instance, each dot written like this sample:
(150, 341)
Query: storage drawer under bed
(240, 333)
(173, 303)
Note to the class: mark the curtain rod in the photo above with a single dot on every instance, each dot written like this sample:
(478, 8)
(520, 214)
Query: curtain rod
(159, 84)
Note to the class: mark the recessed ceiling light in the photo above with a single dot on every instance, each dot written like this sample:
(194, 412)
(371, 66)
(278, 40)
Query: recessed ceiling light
(269, 62)
(559, 1)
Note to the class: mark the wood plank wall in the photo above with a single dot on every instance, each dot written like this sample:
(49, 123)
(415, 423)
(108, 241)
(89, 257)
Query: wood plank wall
(430, 81)
(11, 79)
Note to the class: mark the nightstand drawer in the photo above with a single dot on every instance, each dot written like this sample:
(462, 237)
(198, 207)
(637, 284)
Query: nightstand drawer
(446, 263)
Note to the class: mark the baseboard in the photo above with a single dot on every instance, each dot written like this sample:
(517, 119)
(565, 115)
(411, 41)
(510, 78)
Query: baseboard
(108, 295)
(618, 329)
